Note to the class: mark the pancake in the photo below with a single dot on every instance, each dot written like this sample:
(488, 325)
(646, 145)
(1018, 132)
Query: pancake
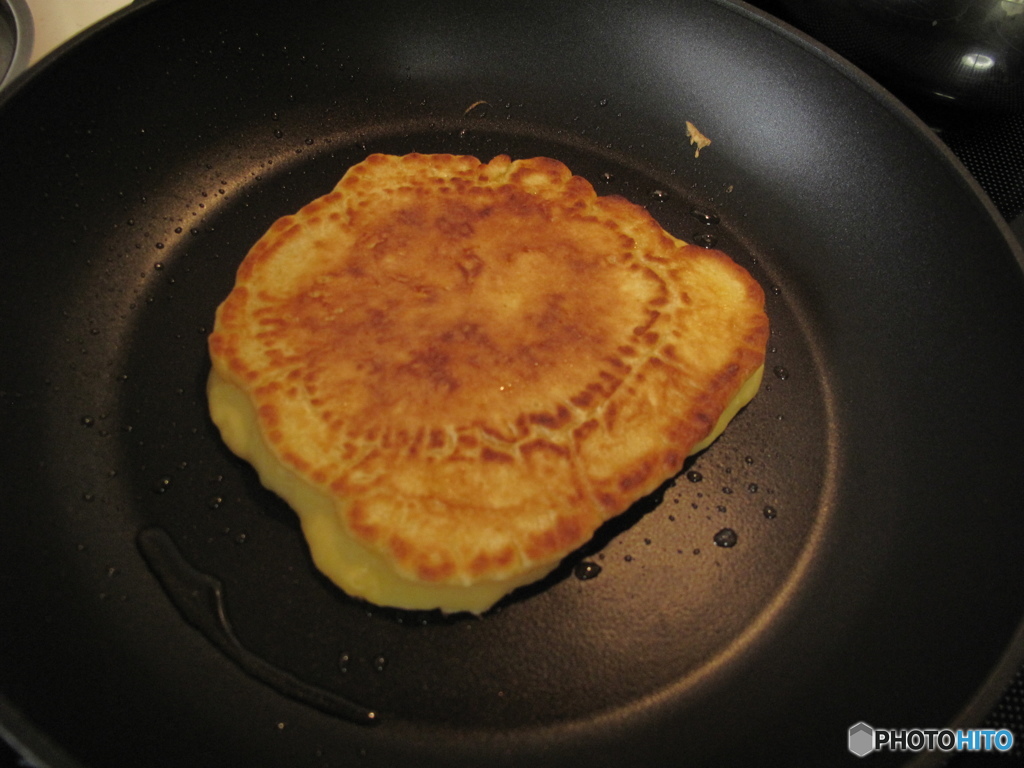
(455, 372)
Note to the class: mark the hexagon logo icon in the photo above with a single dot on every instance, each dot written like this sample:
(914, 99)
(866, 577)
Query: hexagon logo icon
(861, 739)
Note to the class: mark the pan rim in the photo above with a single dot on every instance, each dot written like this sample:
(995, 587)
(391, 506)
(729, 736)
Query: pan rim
(896, 108)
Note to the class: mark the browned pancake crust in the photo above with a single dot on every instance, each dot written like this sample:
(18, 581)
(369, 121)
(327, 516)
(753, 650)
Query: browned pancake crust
(483, 362)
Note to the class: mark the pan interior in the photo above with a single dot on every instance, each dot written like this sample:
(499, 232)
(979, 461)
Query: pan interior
(680, 577)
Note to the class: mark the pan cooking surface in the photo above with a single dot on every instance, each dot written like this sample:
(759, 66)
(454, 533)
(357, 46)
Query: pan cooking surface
(819, 565)
(654, 616)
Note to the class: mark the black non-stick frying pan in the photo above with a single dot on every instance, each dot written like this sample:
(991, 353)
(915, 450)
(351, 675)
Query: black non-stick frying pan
(159, 607)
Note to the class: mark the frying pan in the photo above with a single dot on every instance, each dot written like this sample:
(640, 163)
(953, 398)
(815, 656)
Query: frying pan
(160, 607)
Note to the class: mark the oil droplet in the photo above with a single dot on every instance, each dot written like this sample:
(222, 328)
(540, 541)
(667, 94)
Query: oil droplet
(214, 502)
(708, 217)
(647, 542)
(705, 239)
(380, 664)
(88, 497)
(278, 133)
(776, 291)
(628, 558)
(696, 551)
(343, 662)
(770, 512)
(162, 484)
(659, 194)
(603, 103)
(780, 372)
(752, 487)
(240, 538)
(281, 726)
(158, 265)
(726, 489)
(607, 177)
(88, 421)
(694, 476)
(726, 538)
(160, 246)
(112, 572)
(586, 570)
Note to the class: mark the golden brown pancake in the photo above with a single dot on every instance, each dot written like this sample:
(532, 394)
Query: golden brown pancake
(470, 367)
